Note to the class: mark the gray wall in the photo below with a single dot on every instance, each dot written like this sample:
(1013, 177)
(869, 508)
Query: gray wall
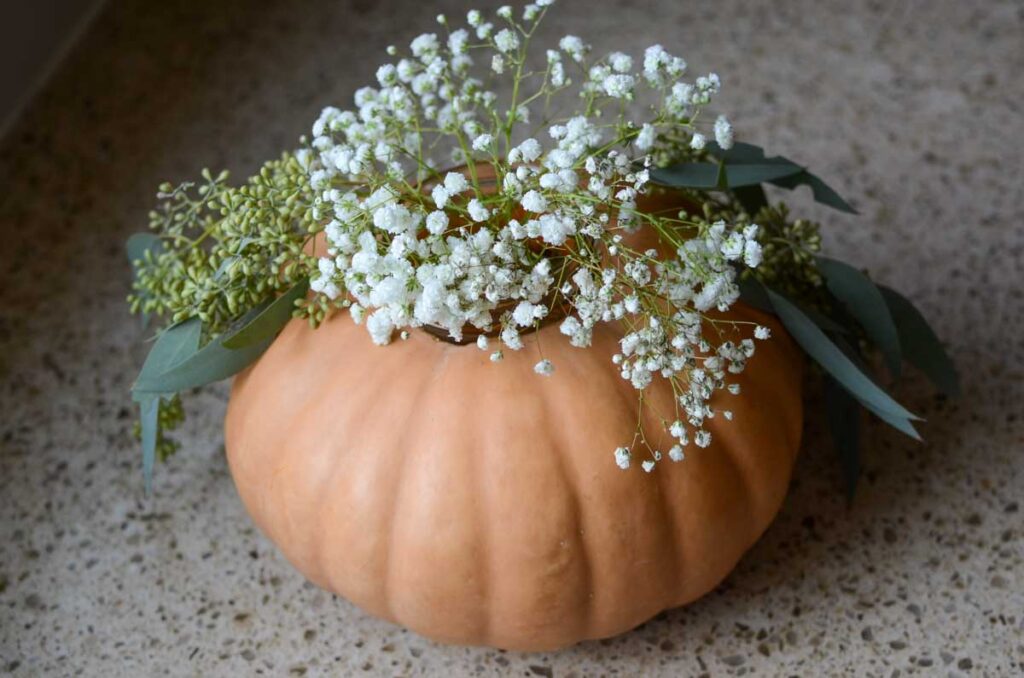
(34, 37)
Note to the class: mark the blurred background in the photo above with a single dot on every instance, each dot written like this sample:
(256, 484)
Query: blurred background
(912, 110)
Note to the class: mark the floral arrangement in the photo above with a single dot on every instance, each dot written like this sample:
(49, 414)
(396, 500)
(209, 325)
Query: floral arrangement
(484, 188)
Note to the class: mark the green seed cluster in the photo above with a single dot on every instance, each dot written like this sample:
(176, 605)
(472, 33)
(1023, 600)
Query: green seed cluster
(790, 248)
(225, 249)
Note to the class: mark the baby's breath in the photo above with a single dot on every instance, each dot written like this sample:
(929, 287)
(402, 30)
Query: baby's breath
(414, 243)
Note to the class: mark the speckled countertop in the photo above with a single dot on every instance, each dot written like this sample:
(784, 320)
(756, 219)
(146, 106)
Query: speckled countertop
(912, 108)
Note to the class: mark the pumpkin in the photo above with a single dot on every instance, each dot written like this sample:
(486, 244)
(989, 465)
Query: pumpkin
(479, 503)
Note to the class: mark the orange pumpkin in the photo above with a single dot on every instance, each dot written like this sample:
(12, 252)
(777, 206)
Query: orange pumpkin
(479, 503)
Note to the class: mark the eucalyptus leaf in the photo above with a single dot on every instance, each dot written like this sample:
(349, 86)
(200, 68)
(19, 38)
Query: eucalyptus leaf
(854, 354)
(136, 247)
(750, 154)
(269, 321)
(752, 198)
(225, 264)
(753, 293)
(842, 412)
(149, 419)
(739, 176)
(720, 175)
(213, 362)
(743, 152)
(901, 424)
(687, 175)
(139, 243)
(820, 348)
(865, 302)
(232, 258)
(921, 346)
(175, 344)
(721, 180)
(821, 191)
(824, 322)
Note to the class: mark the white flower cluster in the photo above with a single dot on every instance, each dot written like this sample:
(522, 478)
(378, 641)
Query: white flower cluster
(518, 229)
(448, 278)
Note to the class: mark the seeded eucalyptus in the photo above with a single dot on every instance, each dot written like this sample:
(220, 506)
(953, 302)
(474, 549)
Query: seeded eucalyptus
(790, 247)
(216, 253)
(223, 250)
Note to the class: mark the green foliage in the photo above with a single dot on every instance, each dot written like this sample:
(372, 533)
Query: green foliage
(225, 250)
(821, 191)
(839, 365)
(920, 345)
(267, 319)
(699, 175)
(871, 316)
(790, 247)
(157, 416)
(833, 310)
(787, 174)
(746, 166)
(173, 344)
(221, 265)
(724, 174)
(206, 365)
(863, 300)
(842, 411)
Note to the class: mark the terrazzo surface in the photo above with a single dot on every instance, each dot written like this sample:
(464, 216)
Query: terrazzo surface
(913, 109)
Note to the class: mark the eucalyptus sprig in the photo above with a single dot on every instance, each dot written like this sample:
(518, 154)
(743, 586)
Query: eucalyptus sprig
(217, 251)
(834, 311)
(223, 267)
